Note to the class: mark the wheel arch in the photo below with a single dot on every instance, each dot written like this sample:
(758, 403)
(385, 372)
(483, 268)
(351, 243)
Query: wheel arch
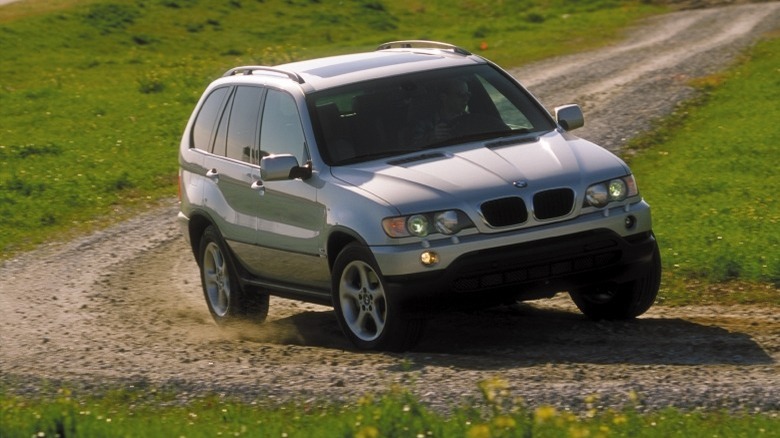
(197, 225)
(338, 239)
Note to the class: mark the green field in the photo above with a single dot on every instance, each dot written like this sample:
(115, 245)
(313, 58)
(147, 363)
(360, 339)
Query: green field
(710, 172)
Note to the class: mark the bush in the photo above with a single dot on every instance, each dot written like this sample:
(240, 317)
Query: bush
(111, 17)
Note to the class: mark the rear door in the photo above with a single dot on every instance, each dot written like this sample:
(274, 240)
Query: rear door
(233, 166)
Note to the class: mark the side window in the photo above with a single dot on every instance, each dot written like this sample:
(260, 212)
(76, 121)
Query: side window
(510, 114)
(242, 127)
(281, 131)
(220, 140)
(207, 119)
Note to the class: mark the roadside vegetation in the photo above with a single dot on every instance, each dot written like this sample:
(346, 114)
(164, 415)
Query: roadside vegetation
(710, 172)
(397, 413)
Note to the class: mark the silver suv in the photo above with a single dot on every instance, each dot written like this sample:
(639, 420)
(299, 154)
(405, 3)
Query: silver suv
(392, 183)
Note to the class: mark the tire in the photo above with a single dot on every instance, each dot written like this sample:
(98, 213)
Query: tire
(621, 301)
(367, 314)
(228, 301)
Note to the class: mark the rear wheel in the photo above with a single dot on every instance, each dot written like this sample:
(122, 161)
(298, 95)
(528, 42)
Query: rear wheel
(367, 314)
(621, 301)
(228, 302)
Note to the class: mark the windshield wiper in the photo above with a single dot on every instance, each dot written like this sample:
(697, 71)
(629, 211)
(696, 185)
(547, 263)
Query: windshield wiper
(477, 137)
(518, 137)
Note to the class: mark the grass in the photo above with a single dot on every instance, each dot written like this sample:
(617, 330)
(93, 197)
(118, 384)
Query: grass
(94, 94)
(709, 171)
(151, 413)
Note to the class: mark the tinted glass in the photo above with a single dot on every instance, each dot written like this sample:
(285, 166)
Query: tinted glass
(242, 128)
(207, 119)
(401, 114)
(220, 139)
(281, 131)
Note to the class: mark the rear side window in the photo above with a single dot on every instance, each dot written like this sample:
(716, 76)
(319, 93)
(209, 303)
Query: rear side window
(207, 119)
(242, 132)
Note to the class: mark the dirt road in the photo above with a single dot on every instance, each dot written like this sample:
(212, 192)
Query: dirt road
(124, 306)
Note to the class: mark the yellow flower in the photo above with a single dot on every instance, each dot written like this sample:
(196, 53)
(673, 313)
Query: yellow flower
(366, 400)
(367, 432)
(491, 388)
(479, 431)
(593, 398)
(542, 414)
(578, 432)
(504, 422)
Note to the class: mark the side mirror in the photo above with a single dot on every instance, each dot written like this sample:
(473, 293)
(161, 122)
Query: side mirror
(283, 167)
(569, 117)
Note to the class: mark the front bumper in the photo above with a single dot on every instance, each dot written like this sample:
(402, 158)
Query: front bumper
(529, 263)
(400, 260)
(529, 271)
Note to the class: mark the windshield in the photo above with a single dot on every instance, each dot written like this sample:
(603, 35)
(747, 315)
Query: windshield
(401, 114)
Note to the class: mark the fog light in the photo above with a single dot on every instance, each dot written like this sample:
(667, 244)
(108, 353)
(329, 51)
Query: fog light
(429, 258)
(630, 222)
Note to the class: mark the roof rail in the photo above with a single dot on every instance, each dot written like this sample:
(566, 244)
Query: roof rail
(249, 69)
(423, 44)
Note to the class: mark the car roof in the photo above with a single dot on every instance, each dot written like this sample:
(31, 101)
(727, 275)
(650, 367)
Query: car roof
(390, 59)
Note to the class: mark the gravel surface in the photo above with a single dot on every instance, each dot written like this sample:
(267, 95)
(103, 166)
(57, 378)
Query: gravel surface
(123, 307)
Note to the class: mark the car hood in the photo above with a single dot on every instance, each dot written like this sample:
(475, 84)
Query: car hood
(448, 177)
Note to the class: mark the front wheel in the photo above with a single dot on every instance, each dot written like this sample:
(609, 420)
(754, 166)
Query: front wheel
(621, 301)
(367, 314)
(228, 302)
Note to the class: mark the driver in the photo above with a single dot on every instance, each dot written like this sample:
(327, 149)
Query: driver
(452, 98)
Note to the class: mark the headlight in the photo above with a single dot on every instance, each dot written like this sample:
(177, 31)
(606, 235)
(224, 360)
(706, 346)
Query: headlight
(417, 225)
(617, 189)
(597, 195)
(614, 190)
(420, 225)
(446, 222)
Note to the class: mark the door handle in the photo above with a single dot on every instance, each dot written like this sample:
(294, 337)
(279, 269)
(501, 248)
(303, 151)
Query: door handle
(213, 174)
(258, 186)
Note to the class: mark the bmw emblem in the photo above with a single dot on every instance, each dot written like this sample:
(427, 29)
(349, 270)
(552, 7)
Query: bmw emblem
(520, 184)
